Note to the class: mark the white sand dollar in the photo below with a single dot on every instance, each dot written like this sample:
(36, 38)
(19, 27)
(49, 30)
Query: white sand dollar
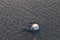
(35, 26)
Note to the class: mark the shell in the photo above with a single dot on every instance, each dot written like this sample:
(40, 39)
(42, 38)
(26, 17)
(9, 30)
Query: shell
(35, 26)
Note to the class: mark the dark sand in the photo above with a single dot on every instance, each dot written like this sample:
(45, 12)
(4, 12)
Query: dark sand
(16, 14)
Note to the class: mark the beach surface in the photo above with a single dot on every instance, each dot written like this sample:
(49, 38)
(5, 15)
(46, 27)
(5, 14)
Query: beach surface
(15, 15)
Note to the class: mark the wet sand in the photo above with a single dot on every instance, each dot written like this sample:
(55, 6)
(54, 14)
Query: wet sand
(16, 14)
